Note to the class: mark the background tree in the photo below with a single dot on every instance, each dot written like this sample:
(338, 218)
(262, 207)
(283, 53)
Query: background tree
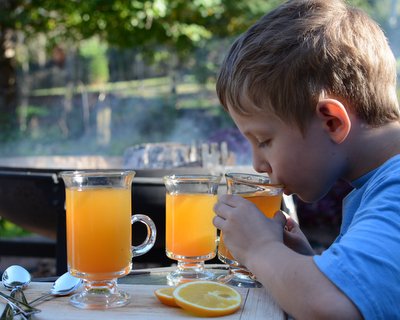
(181, 26)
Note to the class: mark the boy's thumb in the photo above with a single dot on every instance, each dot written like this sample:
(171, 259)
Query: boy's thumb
(280, 218)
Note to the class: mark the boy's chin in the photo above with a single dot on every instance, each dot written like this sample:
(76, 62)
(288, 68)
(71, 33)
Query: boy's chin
(309, 197)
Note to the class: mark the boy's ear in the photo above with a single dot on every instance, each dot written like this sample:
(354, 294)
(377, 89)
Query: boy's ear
(335, 119)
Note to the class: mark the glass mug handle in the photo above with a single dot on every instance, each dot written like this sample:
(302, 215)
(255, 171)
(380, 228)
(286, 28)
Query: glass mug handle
(148, 243)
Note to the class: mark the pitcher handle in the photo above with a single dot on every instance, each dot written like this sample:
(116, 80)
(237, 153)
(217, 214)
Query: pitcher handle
(151, 235)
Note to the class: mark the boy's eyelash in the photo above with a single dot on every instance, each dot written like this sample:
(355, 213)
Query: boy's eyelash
(264, 143)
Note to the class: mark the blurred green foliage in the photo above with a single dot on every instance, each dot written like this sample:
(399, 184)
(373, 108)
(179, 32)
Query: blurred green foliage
(9, 229)
(95, 52)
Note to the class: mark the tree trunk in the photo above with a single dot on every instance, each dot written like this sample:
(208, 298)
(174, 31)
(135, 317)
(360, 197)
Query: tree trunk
(174, 76)
(8, 83)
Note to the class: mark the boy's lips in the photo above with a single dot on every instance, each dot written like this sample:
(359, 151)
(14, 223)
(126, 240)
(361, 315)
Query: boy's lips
(287, 191)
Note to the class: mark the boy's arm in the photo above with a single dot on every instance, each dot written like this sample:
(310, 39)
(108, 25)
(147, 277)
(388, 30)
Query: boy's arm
(292, 278)
(297, 284)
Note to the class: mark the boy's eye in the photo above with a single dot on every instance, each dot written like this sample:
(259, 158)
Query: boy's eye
(264, 143)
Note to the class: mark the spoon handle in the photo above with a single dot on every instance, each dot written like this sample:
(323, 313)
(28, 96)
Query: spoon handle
(9, 312)
(24, 308)
(40, 299)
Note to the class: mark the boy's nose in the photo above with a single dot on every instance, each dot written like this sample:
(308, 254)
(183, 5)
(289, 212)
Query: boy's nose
(261, 165)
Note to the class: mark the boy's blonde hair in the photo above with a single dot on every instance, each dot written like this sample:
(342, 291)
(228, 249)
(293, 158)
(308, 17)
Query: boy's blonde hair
(305, 50)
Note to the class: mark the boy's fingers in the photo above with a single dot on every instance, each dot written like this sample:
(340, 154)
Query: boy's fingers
(218, 211)
(218, 222)
(280, 218)
(225, 203)
(230, 200)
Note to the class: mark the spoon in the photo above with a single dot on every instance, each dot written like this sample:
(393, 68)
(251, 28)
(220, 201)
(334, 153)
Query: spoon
(9, 312)
(63, 286)
(24, 308)
(15, 278)
(11, 274)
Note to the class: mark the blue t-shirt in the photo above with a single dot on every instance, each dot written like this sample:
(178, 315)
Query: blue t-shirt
(364, 261)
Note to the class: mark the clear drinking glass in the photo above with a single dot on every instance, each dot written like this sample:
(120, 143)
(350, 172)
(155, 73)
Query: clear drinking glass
(99, 233)
(267, 197)
(191, 237)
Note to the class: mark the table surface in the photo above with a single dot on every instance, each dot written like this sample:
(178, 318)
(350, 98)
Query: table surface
(141, 284)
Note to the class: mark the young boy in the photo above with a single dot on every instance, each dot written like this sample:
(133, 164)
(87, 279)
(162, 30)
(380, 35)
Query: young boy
(312, 86)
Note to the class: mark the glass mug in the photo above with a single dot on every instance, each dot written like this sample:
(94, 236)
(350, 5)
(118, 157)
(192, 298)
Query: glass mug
(99, 234)
(191, 237)
(268, 198)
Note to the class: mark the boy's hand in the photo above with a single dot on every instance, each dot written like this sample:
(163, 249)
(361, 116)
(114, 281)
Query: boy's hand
(294, 238)
(245, 228)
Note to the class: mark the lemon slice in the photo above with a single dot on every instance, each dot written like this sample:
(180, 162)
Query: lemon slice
(165, 296)
(207, 298)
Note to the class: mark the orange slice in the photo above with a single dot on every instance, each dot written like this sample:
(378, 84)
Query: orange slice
(165, 296)
(207, 298)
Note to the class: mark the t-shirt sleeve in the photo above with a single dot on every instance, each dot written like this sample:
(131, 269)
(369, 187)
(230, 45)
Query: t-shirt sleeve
(365, 262)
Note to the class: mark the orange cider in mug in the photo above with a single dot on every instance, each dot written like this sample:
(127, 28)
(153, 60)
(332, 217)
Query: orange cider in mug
(267, 203)
(99, 230)
(189, 228)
